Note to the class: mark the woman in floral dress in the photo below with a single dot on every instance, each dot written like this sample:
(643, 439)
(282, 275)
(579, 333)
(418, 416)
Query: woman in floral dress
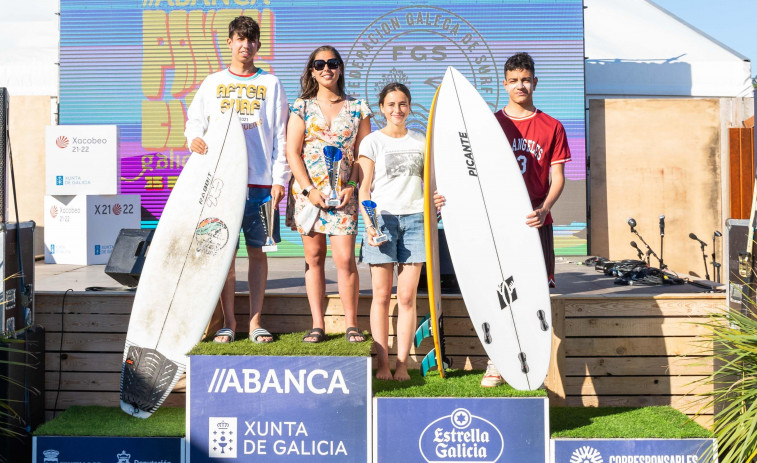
(325, 116)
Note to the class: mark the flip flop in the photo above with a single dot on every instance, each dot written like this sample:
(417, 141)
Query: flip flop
(260, 332)
(353, 332)
(228, 332)
(316, 333)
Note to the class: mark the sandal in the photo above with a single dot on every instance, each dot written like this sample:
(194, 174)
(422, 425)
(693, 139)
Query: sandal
(258, 333)
(227, 332)
(316, 333)
(353, 332)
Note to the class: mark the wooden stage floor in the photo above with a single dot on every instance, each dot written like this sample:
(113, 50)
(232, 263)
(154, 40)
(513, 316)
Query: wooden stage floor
(286, 276)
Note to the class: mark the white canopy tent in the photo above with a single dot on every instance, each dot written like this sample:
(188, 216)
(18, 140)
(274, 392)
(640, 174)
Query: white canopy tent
(635, 48)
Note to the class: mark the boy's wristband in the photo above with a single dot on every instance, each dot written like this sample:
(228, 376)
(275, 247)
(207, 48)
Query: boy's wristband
(352, 184)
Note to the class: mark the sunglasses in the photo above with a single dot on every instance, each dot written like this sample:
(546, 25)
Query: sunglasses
(333, 63)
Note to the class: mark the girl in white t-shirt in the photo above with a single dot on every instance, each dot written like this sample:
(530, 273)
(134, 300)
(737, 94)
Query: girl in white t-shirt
(391, 163)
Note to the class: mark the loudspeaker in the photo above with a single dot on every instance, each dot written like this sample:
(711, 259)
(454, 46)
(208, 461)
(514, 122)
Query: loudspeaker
(128, 256)
(17, 277)
(22, 387)
(736, 236)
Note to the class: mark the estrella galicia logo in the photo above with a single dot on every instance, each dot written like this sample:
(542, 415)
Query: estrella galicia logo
(222, 438)
(586, 454)
(461, 437)
(59, 180)
(97, 249)
(507, 294)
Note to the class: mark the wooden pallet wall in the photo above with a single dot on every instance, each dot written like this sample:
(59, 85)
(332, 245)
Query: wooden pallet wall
(618, 351)
(607, 350)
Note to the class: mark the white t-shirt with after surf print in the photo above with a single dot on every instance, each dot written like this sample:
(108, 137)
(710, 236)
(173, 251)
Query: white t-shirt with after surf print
(398, 174)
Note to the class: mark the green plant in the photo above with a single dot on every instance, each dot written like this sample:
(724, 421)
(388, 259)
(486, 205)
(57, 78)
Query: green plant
(8, 415)
(734, 346)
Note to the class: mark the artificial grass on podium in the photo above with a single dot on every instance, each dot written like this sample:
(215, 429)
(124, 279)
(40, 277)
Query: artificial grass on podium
(457, 383)
(289, 344)
(565, 422)
(568, 422)
(113, 422)
(619, 422)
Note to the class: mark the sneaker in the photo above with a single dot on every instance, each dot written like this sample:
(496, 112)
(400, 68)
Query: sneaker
(492, 377)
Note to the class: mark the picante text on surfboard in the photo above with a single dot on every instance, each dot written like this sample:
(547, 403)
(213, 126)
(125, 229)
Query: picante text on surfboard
(470, 163)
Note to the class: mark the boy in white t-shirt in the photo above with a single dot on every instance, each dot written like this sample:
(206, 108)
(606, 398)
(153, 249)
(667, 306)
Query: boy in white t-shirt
(259, 99)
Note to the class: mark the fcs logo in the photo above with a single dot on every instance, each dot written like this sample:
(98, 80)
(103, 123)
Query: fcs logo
(61, 142)
(54, 212)
(586, 454)
(116, 209)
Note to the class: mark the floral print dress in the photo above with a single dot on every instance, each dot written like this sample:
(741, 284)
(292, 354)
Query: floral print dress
(318, 134)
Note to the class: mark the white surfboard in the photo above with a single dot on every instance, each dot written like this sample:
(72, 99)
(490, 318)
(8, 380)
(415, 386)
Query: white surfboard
(185, 267)
(498, 259)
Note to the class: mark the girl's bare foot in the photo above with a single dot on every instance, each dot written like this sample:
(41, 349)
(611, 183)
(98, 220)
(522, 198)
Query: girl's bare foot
(384, 373)
(401, 374)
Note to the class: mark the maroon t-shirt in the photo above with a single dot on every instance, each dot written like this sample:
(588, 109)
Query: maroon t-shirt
(538, 142)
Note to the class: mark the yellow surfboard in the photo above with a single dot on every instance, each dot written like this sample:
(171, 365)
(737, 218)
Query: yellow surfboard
(431, 326)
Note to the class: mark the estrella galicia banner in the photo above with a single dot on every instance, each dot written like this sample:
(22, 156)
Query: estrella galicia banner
(278, 409)
(67, 449)
(437, 430)
(633, 451)
(144, 77)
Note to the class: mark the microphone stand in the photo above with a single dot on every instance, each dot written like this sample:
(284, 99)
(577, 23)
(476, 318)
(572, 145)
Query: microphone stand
(702, 244)
(715, 264)
(649, 249)
(662, 236)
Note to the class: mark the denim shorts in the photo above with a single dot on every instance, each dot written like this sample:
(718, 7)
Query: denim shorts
(252, 223)
(406, 244)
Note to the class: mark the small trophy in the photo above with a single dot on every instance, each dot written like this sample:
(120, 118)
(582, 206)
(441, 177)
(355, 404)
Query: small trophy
(333, 156)
(266, 213)
(370, 209)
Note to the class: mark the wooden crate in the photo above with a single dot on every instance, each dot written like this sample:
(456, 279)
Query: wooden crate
(632, 352)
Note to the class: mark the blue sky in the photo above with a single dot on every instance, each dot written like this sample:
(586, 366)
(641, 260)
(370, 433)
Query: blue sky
(731, 22)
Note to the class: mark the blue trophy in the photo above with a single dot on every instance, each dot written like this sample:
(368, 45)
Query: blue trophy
(370, 209)
(333, 156)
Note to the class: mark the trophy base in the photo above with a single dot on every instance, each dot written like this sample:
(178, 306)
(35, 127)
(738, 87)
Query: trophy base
(270, 248)
(380, 239)
(333, 202)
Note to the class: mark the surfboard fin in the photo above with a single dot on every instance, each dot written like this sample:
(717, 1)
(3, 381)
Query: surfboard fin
(423, 331)
(543, 320)
(523, 364)
(146, 377)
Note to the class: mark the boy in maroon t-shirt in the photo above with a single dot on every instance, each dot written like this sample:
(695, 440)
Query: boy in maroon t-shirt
(540, 145)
